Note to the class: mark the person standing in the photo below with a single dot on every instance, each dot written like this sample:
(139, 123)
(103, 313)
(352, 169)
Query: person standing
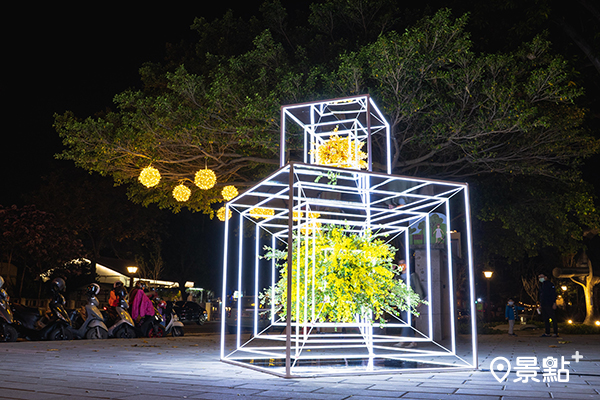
(416, 286)
(547, 299)
(511, 313)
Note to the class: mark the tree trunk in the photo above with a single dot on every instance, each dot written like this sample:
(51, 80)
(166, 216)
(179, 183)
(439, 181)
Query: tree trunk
(587, 283)
(588, 290)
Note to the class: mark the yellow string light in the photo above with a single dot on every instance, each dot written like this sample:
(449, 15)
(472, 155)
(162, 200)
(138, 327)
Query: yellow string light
(205, 179)
(182, 193)
(229, 192)
(258, 212)
(311, 215)
(221, 214)
(149, 176)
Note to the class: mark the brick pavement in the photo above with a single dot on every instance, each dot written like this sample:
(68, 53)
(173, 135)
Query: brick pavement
(189, 368)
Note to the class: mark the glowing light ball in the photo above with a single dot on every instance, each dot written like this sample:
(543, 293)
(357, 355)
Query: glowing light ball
(229, 192)
(149, 176)
(221, 214)
(205, 179)
(182, 193)
(258, 212)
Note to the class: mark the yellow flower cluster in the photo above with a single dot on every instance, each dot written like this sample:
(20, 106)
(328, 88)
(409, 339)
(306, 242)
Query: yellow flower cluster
(341, 152)
(149, 176)
(258, 212)
(352, 277)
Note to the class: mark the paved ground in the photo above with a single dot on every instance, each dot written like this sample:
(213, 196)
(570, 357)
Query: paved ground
(189, 367)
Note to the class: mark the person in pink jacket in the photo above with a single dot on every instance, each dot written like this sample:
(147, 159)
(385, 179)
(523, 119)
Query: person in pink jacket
(141, 306)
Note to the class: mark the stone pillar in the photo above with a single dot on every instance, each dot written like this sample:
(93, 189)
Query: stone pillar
(437, 293)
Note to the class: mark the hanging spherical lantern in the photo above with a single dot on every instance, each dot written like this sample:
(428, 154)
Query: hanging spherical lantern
(149, 176)
(182, 193)
(205, 179)
(229, 192)
(221, 214)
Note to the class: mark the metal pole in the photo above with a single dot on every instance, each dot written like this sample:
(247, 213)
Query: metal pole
(489, 301)
(290, 242)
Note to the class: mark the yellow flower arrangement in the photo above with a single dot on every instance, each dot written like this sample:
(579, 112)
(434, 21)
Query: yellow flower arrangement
(351, 274)
(341, 152)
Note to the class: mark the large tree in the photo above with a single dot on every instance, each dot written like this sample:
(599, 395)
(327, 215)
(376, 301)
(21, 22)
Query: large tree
(455, 113)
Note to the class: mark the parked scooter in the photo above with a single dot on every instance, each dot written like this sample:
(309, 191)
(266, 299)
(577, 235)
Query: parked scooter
(173, 326)
(89, 323)
(118, 319)
(8, 333)
(152, 325)
(31, 324)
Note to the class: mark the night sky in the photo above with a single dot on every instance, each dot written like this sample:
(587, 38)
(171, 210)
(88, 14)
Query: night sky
(59, 59)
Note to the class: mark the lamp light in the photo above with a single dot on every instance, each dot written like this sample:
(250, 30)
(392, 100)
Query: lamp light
(149, 176)
(229, 192)
(182, 193)
(488, 274)
(205, 179)
(132, 269)
(564, 288)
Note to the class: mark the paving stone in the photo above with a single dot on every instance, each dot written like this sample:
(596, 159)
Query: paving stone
(27, 395)
(434, 396)
(540, 393)
(120, 370)
(218, 396)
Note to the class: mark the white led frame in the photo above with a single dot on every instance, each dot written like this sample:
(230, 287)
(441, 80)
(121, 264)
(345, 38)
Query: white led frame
(357, 117)
(364, 208)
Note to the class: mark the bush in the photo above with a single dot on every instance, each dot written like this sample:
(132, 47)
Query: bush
(578, 329)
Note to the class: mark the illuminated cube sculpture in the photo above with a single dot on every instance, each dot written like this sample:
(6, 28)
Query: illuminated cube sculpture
(424, 219)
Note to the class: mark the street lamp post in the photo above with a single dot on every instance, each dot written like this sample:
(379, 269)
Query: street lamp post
(488, 277)
(132, 270)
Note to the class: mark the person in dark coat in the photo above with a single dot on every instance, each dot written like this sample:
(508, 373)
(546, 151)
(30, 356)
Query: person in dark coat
(547, 299)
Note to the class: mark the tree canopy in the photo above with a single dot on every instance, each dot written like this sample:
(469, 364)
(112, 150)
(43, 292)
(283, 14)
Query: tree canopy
(455, 113)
